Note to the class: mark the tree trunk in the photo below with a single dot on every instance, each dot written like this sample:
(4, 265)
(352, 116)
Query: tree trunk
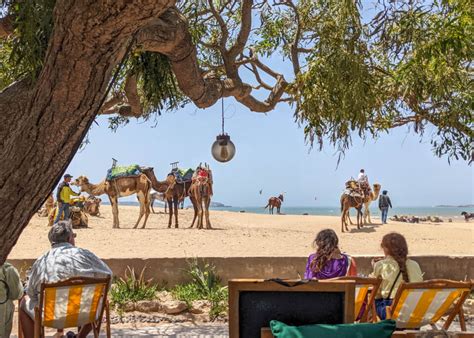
(42, 125)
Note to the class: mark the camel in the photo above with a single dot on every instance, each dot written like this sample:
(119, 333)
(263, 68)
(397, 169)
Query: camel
(91, 206)
(372, 196)
(157, 196)
(274, 202)
(174, 192)
(45, 210)
(200, 194)
(121, 187)
(351, 201)
(467, 215)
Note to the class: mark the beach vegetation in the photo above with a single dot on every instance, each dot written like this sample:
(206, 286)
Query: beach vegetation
(132, 287)
(204, 284)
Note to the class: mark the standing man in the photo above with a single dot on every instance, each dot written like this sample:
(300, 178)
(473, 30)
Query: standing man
(64, 198)
(384, 203)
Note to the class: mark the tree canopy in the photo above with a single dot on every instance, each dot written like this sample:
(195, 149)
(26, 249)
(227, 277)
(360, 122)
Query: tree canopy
(357, 68)
(409, 63)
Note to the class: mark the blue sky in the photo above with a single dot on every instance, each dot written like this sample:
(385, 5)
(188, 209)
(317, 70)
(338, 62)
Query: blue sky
(272, 155)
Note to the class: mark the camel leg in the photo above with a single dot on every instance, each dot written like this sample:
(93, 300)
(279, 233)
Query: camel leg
(199, 207)
(359, 218)
(170, 208)
(207, 204)
(368, 215)
(349, 217)
(343, 220)
(147, 211)
(151, 205)
(142, 202)
(193, 201)
(114, 203)
(175, 205)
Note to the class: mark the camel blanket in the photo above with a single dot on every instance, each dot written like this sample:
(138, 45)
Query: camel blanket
(123, 171)
(183, 175)
(352, 193)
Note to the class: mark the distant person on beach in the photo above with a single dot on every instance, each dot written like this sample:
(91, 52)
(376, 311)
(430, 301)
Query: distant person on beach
(10, 290)
(384, 204)
(328, 261)
(64, 198)
(62, 262)
(394, 268)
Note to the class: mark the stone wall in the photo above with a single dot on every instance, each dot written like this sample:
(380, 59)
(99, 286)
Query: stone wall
(170, 270)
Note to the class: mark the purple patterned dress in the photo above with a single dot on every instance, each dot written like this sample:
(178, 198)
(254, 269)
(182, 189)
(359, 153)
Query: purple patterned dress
(333, 268)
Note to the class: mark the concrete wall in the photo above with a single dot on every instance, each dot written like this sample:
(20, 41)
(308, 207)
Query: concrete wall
(170, 270)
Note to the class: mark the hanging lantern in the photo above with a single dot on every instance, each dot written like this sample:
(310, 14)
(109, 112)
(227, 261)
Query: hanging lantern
(223, 149)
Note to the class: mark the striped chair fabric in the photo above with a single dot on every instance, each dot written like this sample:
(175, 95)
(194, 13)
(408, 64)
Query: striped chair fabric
(361, 292)
(364, 287)
(423, 304)
(72, 306)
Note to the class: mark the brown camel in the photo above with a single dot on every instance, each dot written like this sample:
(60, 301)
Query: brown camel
(121, 187)
(45, 210)
(200, 194)
(173, 191)
(351, 201)
(91, 206)
(274, 202)
(368, 198)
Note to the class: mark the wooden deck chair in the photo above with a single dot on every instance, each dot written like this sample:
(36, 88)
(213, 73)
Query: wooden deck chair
(73, 303)
(419, 304)
(366, 289)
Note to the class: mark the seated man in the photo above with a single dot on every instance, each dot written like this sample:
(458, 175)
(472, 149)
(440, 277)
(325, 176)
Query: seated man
(10, 290)
(63, 261)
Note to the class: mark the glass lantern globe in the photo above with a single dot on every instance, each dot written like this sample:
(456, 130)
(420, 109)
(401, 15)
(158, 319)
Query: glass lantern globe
(223, 150)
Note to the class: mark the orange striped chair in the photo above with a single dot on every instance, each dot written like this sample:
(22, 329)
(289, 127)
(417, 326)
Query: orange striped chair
(419, 304)
(73, 303)
(366, 289)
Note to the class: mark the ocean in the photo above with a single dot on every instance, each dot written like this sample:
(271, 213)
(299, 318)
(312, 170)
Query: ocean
(453, 212)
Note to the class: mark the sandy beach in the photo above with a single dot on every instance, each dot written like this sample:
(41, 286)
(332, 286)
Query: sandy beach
(240, 235)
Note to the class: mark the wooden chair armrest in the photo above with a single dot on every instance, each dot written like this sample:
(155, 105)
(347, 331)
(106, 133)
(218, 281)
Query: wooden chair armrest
(388, 311)
(265, 332)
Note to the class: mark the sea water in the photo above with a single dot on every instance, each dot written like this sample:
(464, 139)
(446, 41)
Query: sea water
(452, 212)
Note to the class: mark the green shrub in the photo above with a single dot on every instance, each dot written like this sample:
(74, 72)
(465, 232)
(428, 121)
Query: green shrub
(132, 288)
(205, 284)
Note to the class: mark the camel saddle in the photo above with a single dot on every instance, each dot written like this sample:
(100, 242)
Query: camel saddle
(123, 171)
(183, 175)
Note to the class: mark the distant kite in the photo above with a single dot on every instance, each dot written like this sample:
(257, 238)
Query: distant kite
(261, 190)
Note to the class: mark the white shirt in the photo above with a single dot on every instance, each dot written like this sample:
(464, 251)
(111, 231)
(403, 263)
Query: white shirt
(64, 261)
(362, 177)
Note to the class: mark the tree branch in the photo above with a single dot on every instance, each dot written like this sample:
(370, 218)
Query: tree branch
(245, 27)
(6, 26)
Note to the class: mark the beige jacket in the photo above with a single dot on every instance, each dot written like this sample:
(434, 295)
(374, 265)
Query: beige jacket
(10, 276)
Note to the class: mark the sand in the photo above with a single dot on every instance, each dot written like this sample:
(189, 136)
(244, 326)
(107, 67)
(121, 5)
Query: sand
(241, 235)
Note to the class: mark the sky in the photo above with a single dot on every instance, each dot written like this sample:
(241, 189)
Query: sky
(272, 155)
